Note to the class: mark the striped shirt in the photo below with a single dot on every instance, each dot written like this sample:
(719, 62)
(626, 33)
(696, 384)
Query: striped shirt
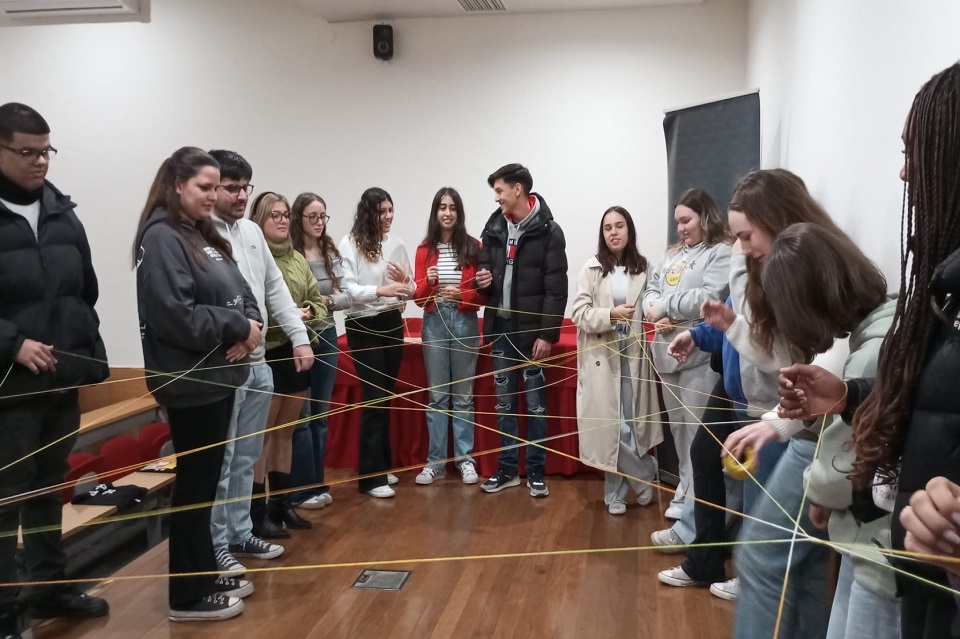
(450, 272)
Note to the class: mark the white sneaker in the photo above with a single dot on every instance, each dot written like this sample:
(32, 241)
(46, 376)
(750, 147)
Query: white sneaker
(676, 577)
(668, 542)
(617, 508)
(314, 503)
(382, 492)
(645, 496)
(673, 512)
(393, 479)
(469, 473)
(326, 498)
(729, 590)
(426, 476)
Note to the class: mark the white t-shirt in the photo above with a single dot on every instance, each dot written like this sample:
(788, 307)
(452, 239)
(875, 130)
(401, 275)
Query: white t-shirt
(30, 212)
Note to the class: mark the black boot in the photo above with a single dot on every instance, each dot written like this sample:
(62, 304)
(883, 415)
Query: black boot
(280, 507)
(263, 527)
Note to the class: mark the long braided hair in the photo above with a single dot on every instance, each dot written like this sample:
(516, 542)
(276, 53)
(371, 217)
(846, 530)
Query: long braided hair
(930, 231)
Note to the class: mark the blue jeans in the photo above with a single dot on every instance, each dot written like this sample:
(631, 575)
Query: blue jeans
(310, 438)
(451, 341)
(506, 356)
(859, 613)
(761, 567)
(230, 519)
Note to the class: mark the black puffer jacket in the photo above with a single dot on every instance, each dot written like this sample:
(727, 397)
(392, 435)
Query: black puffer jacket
(932, 445)
(48, 289)
(539, 286)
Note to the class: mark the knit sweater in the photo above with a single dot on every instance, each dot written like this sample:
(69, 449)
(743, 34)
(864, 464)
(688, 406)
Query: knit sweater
(303, 289)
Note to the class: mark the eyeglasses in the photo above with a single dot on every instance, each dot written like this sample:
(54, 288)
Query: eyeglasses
(313, 218)
(234, 189)
(32, 155)
(276, 216)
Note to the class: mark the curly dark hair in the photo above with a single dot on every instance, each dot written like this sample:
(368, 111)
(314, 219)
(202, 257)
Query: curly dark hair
(366, 223)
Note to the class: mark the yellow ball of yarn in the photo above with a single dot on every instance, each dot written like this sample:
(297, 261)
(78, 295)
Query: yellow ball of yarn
(736, 469)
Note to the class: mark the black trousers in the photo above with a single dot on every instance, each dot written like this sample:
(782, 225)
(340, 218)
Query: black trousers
(191, 544)
(25, 429)
(376, 344)
(706, 564)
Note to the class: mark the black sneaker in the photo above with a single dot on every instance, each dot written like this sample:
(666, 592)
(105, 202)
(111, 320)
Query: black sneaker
(68, 602)
(232, 587)
(500, 480)
(228, 565)
(253, 546)
(537, 486)
(211, 608)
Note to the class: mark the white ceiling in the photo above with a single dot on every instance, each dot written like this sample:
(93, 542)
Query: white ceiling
(363, 10)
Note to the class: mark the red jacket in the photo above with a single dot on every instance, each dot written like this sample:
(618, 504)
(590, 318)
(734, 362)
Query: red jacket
(472, 298)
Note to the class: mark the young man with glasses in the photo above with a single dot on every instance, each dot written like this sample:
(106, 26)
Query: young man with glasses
(523, 273)
(49, 344)
(238, 523)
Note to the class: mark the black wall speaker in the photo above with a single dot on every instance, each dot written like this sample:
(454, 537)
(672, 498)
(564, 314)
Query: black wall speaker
(383, 41)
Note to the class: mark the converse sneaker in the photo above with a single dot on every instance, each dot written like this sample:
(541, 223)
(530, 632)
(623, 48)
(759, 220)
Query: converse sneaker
(382, 492)
(427, 476)
(232, 587)
(677, 577)
(500, 480)
(537, 485)
(617, 508)
(668, 542)
(227, 564)
(392, 479)
(729, 590)
(211, 608)
(313, 503)
(469, 473)
(255, 547)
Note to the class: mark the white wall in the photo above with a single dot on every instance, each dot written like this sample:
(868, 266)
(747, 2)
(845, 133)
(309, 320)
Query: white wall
(577, 97)
(836, 82)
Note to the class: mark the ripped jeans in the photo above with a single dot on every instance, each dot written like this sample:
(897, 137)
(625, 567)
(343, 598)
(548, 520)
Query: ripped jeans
(506, 356)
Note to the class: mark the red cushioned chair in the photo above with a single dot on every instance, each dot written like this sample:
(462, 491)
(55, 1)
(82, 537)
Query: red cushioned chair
(152, 438)
(121, 452)
(80, 464)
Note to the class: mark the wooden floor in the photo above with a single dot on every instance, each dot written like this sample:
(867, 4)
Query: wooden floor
(612, 594)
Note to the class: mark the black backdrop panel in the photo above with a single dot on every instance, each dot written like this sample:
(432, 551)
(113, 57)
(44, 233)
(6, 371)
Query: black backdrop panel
(710, 146)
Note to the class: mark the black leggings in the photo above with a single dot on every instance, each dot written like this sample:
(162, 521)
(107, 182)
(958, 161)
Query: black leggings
(191, 545)
(706, 563)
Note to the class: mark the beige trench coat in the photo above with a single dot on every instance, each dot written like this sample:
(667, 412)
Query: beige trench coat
(598, 371)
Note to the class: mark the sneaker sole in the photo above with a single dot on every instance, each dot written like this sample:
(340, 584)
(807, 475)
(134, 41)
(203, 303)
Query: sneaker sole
(496, 489)
(679, 583)
(273, 554)
(539, 494)
(216, 615)
(317, 505)
(233, 572)
(722, 594)
(471, 480)
(423, 482)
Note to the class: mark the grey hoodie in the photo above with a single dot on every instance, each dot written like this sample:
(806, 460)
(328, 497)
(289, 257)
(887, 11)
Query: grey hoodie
(681, 282)
(190, 315)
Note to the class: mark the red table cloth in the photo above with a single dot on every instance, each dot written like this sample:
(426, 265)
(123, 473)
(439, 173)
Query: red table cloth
(408, 422)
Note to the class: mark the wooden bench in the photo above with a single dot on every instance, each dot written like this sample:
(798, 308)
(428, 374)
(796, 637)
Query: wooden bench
(120, 405)
(81, 517)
